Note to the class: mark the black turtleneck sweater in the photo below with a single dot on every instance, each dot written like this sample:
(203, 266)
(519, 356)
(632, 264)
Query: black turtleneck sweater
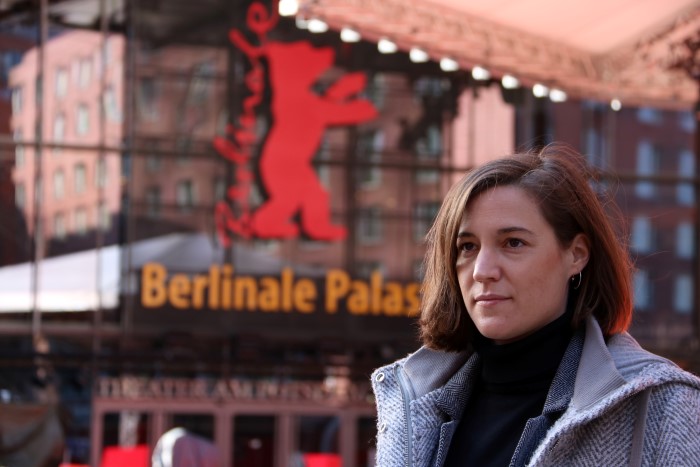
(512, 388)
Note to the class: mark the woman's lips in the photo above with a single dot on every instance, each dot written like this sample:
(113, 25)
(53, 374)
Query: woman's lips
(489, 299)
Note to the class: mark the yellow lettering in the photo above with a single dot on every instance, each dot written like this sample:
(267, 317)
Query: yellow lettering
(200, 284)
(153, 293)
(245, 287)
(376, 288)
(214, 280)
(337, 285)
(179, 291)
(358, 300)
(269, 297)
(287, 282)
(412, 292)
(393, 300)
(304, 296)
(226, 287)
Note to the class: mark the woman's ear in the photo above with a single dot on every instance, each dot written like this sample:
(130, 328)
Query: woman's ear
(580, 251)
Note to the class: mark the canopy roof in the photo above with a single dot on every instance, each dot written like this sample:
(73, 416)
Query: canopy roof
(595, 49)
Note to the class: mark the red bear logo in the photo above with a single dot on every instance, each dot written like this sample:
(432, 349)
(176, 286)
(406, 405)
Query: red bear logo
(300, 119)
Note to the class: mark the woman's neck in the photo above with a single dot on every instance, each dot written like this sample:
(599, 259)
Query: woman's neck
(533, 358)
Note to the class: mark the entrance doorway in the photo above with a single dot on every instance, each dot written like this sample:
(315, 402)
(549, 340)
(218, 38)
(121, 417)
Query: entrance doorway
(245, 433)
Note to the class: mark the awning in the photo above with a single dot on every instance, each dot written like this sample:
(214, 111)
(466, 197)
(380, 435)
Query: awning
(597, 49)
(90, 279)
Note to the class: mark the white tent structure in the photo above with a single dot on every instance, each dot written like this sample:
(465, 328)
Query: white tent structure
(91, 280)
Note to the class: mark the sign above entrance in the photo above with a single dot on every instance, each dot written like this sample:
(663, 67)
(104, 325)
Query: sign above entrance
(296, 201)
(222, 290)
(331, 389)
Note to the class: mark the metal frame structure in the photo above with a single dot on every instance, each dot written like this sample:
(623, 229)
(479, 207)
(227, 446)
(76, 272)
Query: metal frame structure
(637, 74)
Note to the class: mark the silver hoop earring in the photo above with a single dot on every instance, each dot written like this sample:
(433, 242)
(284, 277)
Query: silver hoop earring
(576, 283)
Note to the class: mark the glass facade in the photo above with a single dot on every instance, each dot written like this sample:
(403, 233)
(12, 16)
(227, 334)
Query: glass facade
(214, 219)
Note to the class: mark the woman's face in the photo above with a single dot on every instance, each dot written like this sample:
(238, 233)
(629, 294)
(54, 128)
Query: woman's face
(512, 271)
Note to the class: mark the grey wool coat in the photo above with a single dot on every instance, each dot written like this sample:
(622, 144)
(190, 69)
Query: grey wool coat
(615, 404)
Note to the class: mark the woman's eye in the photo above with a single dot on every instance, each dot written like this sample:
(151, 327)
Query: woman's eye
(467, 246)
(514, 243)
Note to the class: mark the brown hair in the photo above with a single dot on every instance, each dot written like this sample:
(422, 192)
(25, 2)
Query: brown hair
(558, 179)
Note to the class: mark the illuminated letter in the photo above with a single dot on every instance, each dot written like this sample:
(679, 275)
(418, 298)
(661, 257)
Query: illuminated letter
(413, 299)
(337, 285)
(246, 286)
(393, 301)
(153, 292)
(358, 301)
(304, 295)
(269, 298)
(376, 291)
(179, 291)
(200, 283)
(287, 282)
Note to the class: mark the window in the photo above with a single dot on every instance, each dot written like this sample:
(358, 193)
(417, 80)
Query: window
(101, 173)
(685, 240)
(685, 192)
(686, 120)
(59, 129)
(642, 290)
(220, 187)
(184, 195)
(19, 148)
(423, 216)
(58, 184)
(153, 161)
(75, 71)
(17, 100)
(366, 268)
(369, 150)
(200, 83)
(147, 98)
(649, 115)
(428, 148)
(641, 235)
(80, 178)
(85, 72)
(323, 170)
(110, 106)
(153, 202)
(683, 294)
(369, 225)
(20, 196)
(81, 221)
(59, 226)
(107, 49)
(376, 90)
(61, 82)
(429, 145)
(82, 120)
(99, 67)
(647, 164)
(104, 218)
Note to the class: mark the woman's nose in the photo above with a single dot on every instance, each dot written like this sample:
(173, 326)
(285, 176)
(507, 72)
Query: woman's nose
(486, 266)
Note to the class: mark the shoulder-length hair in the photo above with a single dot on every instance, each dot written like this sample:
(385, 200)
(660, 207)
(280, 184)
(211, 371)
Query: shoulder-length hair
(557, 178)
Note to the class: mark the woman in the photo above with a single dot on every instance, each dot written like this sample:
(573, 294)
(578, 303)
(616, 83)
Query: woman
(525, 360)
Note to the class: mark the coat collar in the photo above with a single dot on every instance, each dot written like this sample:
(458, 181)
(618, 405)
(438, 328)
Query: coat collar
(597, 373)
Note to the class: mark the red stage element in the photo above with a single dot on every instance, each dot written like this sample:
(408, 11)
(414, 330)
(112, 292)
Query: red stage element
(116, 456)
(322, 460)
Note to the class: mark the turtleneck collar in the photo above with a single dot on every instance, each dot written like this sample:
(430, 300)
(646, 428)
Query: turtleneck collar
(530, 360)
